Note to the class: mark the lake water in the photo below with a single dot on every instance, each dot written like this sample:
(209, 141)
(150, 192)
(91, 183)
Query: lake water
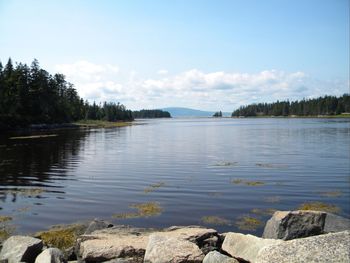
(230, 168)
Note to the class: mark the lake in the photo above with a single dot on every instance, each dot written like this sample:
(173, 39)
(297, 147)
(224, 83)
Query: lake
(214, 172)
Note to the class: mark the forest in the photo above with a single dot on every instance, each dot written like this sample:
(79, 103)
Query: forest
(144, 114)
(327, 105)
(30, 95)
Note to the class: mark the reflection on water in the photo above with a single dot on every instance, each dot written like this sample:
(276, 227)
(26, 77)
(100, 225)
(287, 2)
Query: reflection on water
(239, 170)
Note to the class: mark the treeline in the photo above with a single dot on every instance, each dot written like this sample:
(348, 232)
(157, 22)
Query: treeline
(30, 95)
(217, 114)
(143, 114)
(327, 105)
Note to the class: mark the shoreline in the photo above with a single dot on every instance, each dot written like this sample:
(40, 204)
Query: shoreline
(300, 231)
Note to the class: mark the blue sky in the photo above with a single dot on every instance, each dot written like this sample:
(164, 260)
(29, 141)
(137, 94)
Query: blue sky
(211, 55)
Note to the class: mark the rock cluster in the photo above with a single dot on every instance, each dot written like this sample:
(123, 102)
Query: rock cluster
(289, 236)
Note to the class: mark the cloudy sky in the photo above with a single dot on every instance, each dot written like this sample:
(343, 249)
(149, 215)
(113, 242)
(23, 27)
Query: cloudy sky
(203, 54)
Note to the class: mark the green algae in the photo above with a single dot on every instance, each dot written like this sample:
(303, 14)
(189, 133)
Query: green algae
(153, 187)
(4, 219)
(225, 164)
(62, 236)
(143, 210)
(246, 182)
(215, 220)
(248, 223)
(320, 206)
(263, 212)
(27, 192)
(331, 194)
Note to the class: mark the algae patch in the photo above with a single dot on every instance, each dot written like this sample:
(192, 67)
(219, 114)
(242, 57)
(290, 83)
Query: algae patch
(27, 192)
(225, 164)
(331, 194)
(61, 237)
(4, 219)
(143, 210)
(153, 187)
(319, 206)
(246, 182)
(215, 220)
(263, 212)
(6, 232)
(270, 165)
(248, 223)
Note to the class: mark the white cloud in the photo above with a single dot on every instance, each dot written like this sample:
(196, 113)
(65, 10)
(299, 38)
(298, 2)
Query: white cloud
(162, 72)
(193, 88)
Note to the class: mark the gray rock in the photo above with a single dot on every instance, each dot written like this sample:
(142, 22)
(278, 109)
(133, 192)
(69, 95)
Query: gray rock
(97, 224)
(50, 255)
(333, 247)
(130, 243)
(245, 247)
(21, 248)
(336, 223)
(288, 225)
(163, 249)
(111, 243)
(216, 257)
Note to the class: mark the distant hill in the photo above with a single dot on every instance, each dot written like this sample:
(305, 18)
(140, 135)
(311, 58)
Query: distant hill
(187, 112)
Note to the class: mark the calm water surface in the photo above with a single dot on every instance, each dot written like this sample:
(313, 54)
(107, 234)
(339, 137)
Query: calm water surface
(202, 164)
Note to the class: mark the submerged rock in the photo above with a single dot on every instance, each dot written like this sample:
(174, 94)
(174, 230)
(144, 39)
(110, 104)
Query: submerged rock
(333, 247)
(50, 255)
(216, 257)
(245, 247)
(288, 225)
(20, 248)
(97, 224)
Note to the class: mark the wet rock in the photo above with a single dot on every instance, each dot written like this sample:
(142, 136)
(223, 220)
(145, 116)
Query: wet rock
(50, 255)
(245, 247)
(162, 249)
(333, 247)
(288, 225)
(97, 224)
(216, 257)
(336, 223)
(21, 248)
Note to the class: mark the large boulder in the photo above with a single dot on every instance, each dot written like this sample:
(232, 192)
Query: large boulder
(216, 257)
(336, 223)
(206, 239)
(162, 249)
(288, 225)
(130, 243)
(50, 255)
(333, 247)
(245, 247)
(21, 248)
(112, 243)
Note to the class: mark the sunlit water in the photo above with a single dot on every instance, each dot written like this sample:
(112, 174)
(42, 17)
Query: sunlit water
(203, 166)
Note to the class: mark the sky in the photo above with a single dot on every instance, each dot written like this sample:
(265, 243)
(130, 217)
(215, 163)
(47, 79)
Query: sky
(203, 54)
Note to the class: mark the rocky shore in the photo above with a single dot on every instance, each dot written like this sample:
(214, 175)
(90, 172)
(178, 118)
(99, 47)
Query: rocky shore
(289, 236)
